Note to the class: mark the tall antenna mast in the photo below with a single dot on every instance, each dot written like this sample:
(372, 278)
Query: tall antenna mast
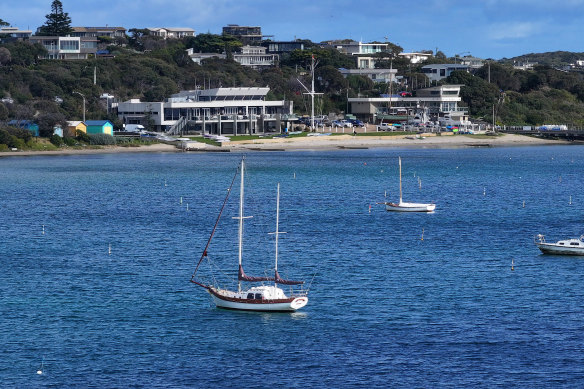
(311, 92)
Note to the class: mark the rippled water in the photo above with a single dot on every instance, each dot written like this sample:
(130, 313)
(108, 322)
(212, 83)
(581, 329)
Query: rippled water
(386, 308)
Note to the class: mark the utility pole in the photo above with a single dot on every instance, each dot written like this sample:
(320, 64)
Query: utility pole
(82, 96)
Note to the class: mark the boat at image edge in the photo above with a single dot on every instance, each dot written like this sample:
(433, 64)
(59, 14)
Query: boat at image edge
(407, 207)
(266, 297)
(561, 247)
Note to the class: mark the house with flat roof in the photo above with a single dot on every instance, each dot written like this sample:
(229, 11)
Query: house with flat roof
(364, 53)
(15, 33)
(67, 47)
(376, 75)
(416, 57)
(210, 111)
(171, 32)
(437, 101)
(94, 32)
(279, 47)
(255, 57)
(248, 35)
(437, 72)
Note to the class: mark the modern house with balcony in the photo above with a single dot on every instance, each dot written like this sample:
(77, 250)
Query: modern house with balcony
(279, 47)
(438, 102)
(94, 32)
(255, 57)
(66, 47)
(376, 75)
(248, 35)
(251, 56)
(218, 111)
(364, 53)
(14, 33)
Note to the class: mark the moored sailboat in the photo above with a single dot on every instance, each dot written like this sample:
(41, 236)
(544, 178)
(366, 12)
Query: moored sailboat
(407, 207)
(266, 297)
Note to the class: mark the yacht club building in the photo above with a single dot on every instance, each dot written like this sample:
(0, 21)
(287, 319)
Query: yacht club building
(221, 111)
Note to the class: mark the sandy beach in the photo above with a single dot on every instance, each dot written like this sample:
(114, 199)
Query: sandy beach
(346, 141)
(425, 140)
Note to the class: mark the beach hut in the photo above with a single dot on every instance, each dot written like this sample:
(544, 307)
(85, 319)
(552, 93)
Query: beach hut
(73, 127)
(100, 127)
(26, 125)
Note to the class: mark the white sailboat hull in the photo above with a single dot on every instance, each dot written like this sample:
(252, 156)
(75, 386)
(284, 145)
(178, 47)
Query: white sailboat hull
(280, 305)
(410, 207)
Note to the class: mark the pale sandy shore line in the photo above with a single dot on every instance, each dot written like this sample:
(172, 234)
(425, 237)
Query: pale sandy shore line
(318, 143)
(424, 141)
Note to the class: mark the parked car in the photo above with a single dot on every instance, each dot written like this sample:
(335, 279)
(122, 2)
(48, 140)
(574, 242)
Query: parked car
(346, 123)
(357, 123)
(385, 127)
(337, 123)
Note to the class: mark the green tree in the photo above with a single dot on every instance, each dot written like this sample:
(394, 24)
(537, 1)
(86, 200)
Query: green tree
(58, 22)
(3, 23)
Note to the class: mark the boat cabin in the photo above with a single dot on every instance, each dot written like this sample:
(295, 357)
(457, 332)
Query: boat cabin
(264, 293)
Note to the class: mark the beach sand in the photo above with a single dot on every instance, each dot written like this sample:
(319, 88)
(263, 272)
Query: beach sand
(346, 141)
(425, 141)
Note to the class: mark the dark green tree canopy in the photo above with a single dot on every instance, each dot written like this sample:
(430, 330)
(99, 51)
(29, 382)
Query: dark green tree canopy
(58, 22)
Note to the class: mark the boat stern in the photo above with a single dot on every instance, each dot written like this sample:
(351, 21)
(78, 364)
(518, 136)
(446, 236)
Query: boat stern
(299, 302)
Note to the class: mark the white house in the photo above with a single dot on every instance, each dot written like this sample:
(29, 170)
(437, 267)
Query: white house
(437, 72)
(416, 57)
(171, 32)
(377, 75)
(66, 47)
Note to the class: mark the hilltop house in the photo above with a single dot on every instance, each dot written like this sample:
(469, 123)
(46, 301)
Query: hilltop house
(94, 32)
(376, 75)
(437, 72)
(171, 32)
(67, 47)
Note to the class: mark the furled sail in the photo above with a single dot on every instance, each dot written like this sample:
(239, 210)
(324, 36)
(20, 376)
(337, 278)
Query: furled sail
(243, 277)
(282, 281)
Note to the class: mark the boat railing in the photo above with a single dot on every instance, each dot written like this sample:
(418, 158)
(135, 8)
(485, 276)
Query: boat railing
(539, 237)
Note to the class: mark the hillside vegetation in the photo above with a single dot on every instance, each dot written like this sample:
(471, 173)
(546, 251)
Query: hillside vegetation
(43, 90)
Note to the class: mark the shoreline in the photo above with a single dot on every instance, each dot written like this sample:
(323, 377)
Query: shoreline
(333, 142)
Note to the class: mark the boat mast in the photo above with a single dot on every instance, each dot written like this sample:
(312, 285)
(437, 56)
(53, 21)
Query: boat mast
(241, 221)
(277, 231)
(400, 182)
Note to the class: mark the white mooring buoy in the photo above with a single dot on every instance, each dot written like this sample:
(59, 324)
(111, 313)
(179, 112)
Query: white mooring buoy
(181, 199)
(512, 264)
(109, 249)
(43, 229)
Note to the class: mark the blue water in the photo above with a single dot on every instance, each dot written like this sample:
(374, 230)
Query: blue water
(386, 309)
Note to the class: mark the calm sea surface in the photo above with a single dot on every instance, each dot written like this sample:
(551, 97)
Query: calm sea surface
(386, 309)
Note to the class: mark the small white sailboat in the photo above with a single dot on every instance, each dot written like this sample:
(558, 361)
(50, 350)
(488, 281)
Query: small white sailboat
(561, 247)
(266, 297)
(407, 207)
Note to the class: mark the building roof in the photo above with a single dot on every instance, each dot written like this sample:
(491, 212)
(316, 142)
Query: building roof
(74, 123)
(97, 122)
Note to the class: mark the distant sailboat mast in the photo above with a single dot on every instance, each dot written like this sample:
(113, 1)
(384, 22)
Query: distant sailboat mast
(400, 182)
(241, 217)
(277, 233)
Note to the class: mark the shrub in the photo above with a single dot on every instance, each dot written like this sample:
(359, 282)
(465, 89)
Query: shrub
(82, 136)
(56, 140)
(101, 139)
(69, 141)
